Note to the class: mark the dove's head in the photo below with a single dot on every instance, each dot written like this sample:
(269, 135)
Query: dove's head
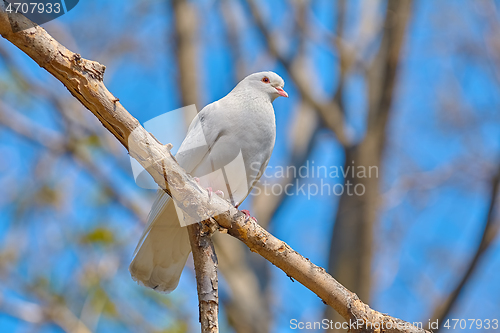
(268, 83)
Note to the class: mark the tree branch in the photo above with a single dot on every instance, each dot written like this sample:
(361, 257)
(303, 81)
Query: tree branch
(351, 245)
(329, 112)
(59, 145)
(490, 233)
(83, 78)
(204, 257)
(205, 265)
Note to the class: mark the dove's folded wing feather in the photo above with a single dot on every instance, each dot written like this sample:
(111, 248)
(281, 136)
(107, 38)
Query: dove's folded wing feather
(228, 146)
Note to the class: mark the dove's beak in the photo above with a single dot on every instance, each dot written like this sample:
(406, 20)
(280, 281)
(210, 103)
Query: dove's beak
(281, 92)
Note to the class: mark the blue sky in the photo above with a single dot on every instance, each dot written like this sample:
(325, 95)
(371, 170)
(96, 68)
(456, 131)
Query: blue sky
(427, 236)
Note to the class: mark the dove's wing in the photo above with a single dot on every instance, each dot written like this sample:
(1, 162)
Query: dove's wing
(227, 147)
(163, 248)
(200, 139)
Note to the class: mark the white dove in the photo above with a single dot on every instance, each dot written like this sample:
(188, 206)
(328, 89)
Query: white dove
(228, 146)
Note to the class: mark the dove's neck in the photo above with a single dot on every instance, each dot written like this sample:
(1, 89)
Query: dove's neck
(245, 92)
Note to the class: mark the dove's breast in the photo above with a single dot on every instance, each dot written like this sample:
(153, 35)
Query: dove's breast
(240, 139)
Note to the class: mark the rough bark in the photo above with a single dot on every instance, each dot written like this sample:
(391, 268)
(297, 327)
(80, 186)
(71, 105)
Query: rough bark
(352, 238)
(204, 257)
(205, 265)
(83, 78)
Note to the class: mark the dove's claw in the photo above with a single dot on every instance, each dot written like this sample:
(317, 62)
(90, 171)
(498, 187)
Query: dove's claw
(247, 214)
(196, 179)
(218, 192)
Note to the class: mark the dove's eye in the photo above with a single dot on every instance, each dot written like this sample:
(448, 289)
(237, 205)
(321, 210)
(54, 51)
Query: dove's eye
(265, 79)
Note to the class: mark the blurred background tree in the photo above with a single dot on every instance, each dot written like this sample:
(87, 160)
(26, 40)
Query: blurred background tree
(411, 88)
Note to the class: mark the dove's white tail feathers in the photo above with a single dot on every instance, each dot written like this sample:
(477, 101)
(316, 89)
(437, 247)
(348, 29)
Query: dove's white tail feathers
(163, 249)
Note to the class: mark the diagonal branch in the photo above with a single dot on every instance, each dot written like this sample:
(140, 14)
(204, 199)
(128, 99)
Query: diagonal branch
(83, 78)
(42, 314)
(490, 233)
(59, 145)
(329, 112)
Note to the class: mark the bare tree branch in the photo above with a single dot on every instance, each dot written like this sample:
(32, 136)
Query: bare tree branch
(329, 112)
(185, 36)
(489, 234)
(305, 127)
(351, 245)
(83, 78)
(306, 124)
(204, 257)
(50, 312)
(205, 265)
(248, 305)
(59, 145)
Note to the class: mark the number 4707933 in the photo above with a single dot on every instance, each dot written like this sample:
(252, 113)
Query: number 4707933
(33, 8)
(471, 324)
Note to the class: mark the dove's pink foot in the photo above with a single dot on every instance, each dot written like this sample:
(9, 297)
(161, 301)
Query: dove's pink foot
(247, 214)
(209, 190)
(218, 192)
